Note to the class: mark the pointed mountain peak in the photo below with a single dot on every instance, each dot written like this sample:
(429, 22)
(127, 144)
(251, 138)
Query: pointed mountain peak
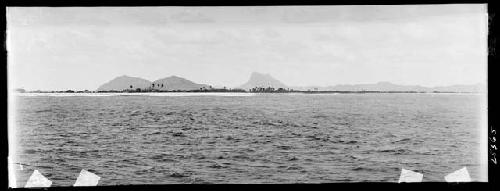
(262, 80)
(256, 74)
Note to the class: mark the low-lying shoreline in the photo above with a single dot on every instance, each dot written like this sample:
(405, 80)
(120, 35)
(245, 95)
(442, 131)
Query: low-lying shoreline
(263, 92)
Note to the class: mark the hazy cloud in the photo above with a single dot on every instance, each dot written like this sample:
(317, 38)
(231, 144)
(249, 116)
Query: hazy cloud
(59, 48)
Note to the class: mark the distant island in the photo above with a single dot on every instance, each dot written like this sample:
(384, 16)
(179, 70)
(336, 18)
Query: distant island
(259, 83)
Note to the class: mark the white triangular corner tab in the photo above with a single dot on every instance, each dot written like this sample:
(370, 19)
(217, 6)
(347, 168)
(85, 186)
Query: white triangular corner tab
(12, 175)
(410, 176)
(461, 175)
(37, 180)
(87, 178)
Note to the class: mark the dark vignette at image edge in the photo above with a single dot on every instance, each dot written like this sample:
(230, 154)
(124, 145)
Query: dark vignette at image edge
(492, 93)
(492, 103)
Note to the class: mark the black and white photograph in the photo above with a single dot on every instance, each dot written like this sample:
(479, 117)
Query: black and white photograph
(304, 94)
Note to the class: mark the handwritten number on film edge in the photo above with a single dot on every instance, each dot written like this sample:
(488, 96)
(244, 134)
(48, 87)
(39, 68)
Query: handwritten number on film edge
(493, 145)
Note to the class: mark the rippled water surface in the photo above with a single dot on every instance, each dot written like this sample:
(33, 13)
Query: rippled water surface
(269, 138)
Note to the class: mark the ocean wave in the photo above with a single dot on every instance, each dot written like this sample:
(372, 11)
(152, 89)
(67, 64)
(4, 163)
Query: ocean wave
(273, 139)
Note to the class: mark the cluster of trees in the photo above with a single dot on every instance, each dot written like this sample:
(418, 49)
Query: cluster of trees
(269, 89)
(157, 85)
(150, 89)
(202, 89)
(219, 90)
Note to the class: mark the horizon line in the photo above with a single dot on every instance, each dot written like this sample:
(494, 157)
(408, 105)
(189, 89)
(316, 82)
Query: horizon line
(289, 86)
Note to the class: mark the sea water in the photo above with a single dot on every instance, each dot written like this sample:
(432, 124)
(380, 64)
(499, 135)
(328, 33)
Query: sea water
(163, 138)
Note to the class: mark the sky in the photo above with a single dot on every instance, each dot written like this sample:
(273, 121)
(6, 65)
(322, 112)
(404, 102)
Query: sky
(60, 48)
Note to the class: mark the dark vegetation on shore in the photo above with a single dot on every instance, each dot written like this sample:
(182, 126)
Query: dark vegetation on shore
(237, 90)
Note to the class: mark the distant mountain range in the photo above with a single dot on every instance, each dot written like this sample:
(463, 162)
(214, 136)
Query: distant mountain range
(387, 86)
(266, 80)
(132, 83)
